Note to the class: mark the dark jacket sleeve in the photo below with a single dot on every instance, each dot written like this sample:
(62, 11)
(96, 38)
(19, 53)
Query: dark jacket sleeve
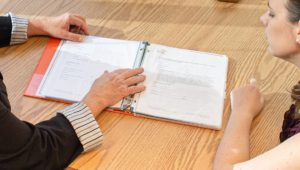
(5, 30)
(51, 144)
(13, 29)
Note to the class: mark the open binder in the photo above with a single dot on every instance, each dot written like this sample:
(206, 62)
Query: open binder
(182, 85)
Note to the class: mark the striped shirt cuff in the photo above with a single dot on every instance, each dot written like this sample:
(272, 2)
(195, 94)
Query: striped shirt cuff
(84, 124)
(19, 29)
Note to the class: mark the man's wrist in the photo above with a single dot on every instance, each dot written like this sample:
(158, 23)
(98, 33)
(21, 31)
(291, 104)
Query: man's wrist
(36, 26)
(95, 106)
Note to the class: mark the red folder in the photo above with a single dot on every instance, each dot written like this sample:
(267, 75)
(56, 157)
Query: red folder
(41, 70)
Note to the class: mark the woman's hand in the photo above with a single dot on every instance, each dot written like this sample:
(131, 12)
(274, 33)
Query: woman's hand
(111, 87)
(247, 100)
(67, 26)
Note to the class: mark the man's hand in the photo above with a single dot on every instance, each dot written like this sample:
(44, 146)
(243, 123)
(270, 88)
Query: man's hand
(111, 87)
(67, 26)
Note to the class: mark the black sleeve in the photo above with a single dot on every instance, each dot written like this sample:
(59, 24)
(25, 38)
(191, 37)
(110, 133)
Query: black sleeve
(5, 30)
(51, 144)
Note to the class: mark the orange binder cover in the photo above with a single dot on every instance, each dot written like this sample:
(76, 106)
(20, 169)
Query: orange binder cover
(41, 68)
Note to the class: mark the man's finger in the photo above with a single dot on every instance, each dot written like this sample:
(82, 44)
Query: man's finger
(80, 17)
(132, 72)
(136, 89)
(134, 80)
(71, 36)
(79, 23)
(122, 70)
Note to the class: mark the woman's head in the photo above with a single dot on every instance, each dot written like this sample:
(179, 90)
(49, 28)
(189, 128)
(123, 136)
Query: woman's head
(283, 28)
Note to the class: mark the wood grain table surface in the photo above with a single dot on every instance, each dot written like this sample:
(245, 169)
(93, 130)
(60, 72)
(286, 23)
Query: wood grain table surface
(130, 142)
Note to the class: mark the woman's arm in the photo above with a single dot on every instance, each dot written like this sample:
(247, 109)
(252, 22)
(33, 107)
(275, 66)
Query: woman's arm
(233, 152)
(283, 157)
(246, 103)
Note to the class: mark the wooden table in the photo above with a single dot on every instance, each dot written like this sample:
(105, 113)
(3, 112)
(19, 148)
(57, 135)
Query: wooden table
(204, 25)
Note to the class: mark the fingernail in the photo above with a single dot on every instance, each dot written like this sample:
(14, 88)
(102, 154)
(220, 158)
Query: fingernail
(253, 81)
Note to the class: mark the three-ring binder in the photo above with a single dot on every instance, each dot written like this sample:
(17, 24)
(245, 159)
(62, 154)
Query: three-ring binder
(129, 100)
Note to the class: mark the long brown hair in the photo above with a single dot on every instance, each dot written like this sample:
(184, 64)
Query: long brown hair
(293, 6)
(296, 92)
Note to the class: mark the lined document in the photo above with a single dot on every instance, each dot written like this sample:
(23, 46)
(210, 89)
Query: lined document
(77, 65)
(183, 85)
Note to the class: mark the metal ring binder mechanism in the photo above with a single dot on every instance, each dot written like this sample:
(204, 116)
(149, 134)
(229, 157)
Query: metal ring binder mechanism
(127, 102)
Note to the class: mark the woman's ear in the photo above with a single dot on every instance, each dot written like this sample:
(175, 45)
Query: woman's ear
(298, 32)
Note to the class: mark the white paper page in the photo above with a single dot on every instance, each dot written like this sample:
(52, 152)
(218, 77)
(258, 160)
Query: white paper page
(77, 65)
(184, 85)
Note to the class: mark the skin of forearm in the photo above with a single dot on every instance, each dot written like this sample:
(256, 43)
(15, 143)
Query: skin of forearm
(36, 26)
(95, 107)
(234, 146)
